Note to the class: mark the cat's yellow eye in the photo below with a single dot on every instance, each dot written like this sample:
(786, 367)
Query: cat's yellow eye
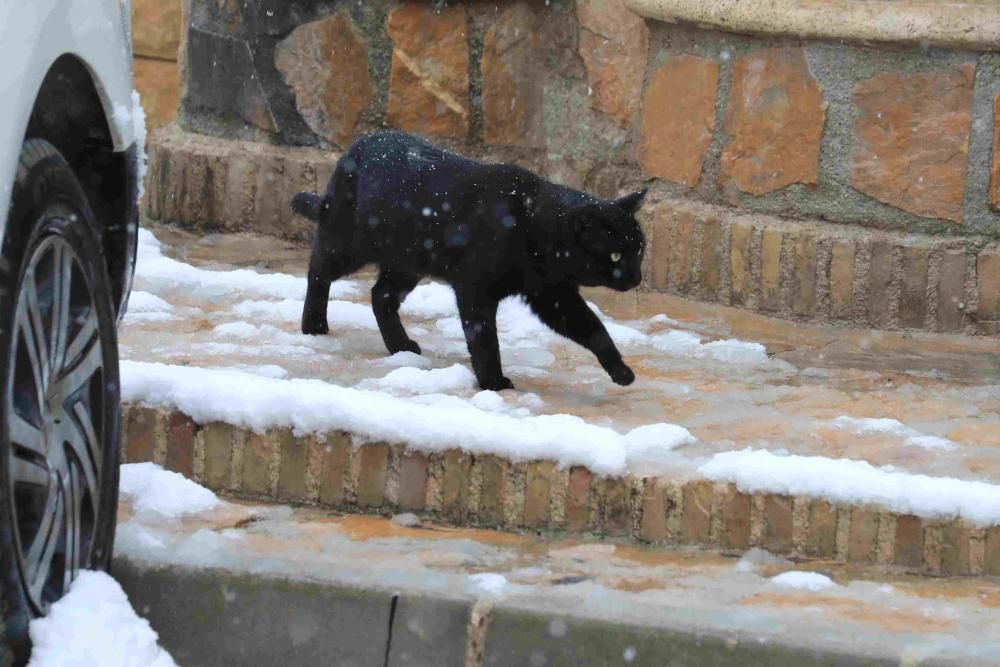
(615, 256)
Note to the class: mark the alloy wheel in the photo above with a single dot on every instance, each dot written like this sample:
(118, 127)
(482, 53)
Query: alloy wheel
(53, 415)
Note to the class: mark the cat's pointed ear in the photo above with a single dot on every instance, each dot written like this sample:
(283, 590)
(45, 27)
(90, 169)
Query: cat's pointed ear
(632, 202)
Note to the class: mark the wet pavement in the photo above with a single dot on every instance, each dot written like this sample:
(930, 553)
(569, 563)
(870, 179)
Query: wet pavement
(943, 390)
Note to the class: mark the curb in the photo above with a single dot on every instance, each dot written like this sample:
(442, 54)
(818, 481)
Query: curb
(489, 491)
(216, 617)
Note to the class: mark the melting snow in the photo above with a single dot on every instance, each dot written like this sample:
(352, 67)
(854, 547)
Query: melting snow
(911, 436)
(856, 482)
(808, 581)
(157, 491)
(94, 624)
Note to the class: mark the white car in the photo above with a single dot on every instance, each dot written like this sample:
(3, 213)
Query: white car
(71, 156)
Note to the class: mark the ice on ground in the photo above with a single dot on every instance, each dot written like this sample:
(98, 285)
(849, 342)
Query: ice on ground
(435, 422)
(807, 581)
(154, 490)
(756, 557)
(911, 436)
(730, 351)
(857, 483)
(487, 585)
(94, 624)
(144, 302)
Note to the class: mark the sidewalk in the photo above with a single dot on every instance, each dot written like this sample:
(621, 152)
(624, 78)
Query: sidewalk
(279, 586)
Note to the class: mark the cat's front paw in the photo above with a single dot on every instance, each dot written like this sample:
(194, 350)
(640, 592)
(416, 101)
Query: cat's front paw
(315, 328)
(622, 375)
(496, 384)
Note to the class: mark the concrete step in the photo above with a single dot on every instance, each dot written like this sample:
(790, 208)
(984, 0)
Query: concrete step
(257, 585)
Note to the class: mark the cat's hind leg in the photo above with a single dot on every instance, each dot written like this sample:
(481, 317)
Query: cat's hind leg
(388, 293)
(479, 321)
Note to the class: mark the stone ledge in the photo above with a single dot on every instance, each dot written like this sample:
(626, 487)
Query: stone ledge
(972, 24)
(489, 491)
(820, 271)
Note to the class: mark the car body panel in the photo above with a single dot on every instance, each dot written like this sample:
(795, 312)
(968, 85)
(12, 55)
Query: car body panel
(32, 36)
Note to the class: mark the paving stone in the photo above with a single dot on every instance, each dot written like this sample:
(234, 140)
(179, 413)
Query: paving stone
(578, 499)
(294, 461)
(335, 468)
(711, 259)
(821, 533)
(412, 481)
(912, 138)
(429, 83)
(457, 474)
(429, 631)
(739, 263)
(221, 79)
(181, 431)
(735, 509)
(536, 493)
(988, 277)
(653, 527)
(778, 524)
(951, 291)
(804, 299)
(141, 440)
(842, 280)
(770, 270)
(374, 468)
(325, 63)
(863, 536)
(613, 44)
(909, 547)
(696, 522)
(775, 120)
(681, 251)
(616, 511)
(258, 454)
(513, 80)
(913, 298)
(491, 495)
(678, 109)
(218, 454)
(880, 275)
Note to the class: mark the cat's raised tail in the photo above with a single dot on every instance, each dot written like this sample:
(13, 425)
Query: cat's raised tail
(307, 204)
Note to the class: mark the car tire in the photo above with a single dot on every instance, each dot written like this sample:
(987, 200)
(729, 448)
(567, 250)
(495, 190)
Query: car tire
(59, 395)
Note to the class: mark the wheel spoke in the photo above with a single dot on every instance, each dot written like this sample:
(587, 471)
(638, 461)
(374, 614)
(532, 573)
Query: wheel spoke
(29, 472)
(25, 435)
(39, 557)
(39, 368)
(35, 327)
(74, 507)
(83, 339)
(82, 439)
(62, 275)
(80, 374)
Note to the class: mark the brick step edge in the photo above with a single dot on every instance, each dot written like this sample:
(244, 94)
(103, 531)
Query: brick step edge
(488, 491)
(809, 271)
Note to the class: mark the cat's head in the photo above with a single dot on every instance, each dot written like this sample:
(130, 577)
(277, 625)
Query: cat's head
(609, 243)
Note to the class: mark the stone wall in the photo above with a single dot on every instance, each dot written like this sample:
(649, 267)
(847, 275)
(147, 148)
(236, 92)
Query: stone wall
(156, 35)
(591, 94)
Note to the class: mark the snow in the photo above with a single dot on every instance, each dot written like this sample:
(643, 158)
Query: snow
(144, 302)
(162, 492)
(756, 557)
(806, 581)
(857, 483)
(911, 436)
(132, 121)
(173, 277)
(94, 624)
(653, 443)
(434, 423)
(487, 585)
(419, 381)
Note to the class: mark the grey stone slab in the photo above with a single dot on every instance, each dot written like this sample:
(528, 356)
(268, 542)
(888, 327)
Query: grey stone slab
(215, 618)
(520, 637)
(429, 631)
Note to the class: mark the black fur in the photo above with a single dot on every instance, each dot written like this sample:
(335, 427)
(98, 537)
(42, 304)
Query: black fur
(490, 230)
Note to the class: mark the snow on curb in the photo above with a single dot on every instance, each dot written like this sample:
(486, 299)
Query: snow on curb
(94, 624)
(856, 483)
(432, 422)
(805, 581)
(155, 490)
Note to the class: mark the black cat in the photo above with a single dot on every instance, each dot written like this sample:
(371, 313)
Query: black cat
(490, 230)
